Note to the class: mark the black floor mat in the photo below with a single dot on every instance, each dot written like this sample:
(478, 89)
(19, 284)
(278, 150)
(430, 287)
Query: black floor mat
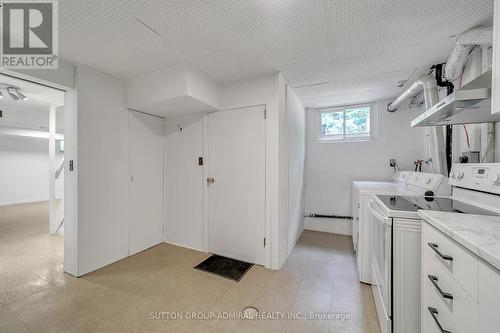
(225, 267)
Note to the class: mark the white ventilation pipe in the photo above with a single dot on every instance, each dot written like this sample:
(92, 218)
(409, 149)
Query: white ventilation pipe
(438, 152)
(426, 83)
(488, 143)
(466, 42)
(438, 148)
(429, 85)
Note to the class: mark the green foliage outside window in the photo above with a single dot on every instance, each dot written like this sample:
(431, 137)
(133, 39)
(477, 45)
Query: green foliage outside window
(345, 123)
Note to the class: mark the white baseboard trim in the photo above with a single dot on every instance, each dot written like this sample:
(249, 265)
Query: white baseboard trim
(331, 225)
(183, 245)
(20, 202)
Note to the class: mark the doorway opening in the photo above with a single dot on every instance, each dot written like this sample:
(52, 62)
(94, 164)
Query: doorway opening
(32, 186)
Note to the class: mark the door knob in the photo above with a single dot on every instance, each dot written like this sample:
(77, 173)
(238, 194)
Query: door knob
(210, 180)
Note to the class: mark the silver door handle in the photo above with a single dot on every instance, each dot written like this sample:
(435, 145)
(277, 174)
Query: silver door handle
(434, 313)
(434, 281)
(435, 247)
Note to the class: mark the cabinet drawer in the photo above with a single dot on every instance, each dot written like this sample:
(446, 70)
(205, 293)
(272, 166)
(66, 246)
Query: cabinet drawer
(452, 258)
(489, 299)
(462, 307)
(441, 314)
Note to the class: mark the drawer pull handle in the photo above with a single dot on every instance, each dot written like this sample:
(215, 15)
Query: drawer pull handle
(434, 281)
(434, 312)
(435, 247)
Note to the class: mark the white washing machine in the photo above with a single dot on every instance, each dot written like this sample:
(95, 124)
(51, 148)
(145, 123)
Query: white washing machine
(398, 183)
(404, 183)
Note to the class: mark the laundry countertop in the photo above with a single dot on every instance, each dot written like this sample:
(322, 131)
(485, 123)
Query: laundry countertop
(478, 233)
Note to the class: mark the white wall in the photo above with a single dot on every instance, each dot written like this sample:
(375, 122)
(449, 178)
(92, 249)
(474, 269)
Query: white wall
(24, 174)
(102, 167)
(295, 171)
(292, 137)
(284, 201)
(202, 87)
(261, 90)
(184, 181)
(332, 166)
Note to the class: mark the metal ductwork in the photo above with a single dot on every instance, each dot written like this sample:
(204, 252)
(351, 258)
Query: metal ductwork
(425, 83)
(428, 85)
(466, 42)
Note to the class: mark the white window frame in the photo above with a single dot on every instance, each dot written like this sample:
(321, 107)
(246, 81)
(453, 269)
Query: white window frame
(317, 124)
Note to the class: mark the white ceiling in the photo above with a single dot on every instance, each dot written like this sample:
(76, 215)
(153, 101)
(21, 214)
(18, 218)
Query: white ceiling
(357, 49)
(39, 96)
(34, 112)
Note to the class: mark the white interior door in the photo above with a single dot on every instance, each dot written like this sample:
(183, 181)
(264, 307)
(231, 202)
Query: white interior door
(146, 181)
(236, 197)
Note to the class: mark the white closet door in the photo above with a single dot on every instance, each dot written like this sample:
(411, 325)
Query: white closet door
(146, 181)
(236, 197)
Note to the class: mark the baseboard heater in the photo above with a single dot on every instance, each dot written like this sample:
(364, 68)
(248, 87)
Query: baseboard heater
(329, 216)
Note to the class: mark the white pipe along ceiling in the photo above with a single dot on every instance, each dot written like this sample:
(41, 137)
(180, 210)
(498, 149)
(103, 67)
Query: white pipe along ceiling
(466, 42)
(429, 85)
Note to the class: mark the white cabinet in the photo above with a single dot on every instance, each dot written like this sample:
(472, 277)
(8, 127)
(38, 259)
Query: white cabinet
(460, 292)
(495, 100)
(459, 263)
(489, 299)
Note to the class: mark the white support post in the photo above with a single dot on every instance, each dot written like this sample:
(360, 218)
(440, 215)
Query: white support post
(52, 170)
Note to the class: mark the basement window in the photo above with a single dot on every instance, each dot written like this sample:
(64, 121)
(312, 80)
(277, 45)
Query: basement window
(348, 123)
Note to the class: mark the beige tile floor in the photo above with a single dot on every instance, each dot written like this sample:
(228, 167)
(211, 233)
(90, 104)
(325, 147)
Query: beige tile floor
(36, 296)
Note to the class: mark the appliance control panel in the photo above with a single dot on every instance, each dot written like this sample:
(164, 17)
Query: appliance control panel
(425, 180)
(430, 182)
(402, 176)
(476, 176)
